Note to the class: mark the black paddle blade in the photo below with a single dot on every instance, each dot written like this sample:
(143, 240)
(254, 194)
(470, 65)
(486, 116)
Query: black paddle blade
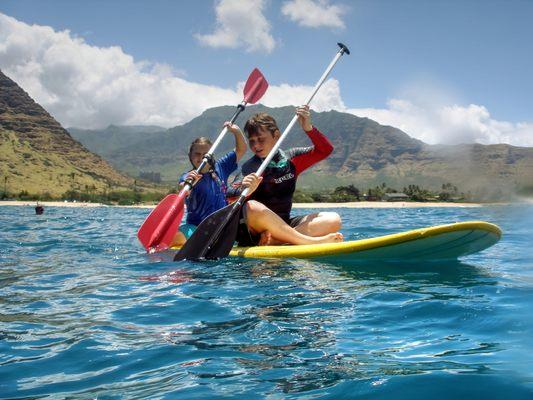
(221, 247)
(214, 237)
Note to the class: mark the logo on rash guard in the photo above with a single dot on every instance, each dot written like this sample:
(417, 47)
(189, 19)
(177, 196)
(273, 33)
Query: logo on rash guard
(287, 177)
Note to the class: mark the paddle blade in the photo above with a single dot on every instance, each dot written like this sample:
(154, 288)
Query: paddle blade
(221, 247)
(170, 232)
(255, 87)
(214, 237)
(162, 222)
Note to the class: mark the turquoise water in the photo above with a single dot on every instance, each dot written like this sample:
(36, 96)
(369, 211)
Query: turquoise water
(85, 313)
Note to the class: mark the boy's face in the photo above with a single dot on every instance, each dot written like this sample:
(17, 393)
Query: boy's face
(263, 142)
(197, 154)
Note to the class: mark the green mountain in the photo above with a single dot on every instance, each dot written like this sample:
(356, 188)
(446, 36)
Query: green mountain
(38, 156)
(105, 141)
(366, 154)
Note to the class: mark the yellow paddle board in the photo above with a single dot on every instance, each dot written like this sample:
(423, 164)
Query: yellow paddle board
(443, 242)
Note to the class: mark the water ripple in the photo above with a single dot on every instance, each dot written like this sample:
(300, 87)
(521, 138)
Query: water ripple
(85, 313)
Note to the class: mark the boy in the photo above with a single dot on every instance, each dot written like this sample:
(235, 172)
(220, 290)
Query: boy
(267, 218)
(209, 186)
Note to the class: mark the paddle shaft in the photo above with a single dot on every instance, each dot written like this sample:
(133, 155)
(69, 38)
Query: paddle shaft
(249, 96)
(156, 226)
(209, 154)
(261, 169)
(168, 218)
(240, 201)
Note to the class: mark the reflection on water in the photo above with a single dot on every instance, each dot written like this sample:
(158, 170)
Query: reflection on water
(85, 313)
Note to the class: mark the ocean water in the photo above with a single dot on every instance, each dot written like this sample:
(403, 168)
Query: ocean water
(85, 314)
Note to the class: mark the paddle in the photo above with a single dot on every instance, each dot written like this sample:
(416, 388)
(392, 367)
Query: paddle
(215, 235)
(158, 230)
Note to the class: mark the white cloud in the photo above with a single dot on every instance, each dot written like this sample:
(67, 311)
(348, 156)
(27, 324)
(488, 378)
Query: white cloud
(240, 24)
(449, 124)
(88, 87)
(314, 14)
(433, 112)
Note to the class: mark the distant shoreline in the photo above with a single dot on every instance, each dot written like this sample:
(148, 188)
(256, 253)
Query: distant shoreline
(355, 204)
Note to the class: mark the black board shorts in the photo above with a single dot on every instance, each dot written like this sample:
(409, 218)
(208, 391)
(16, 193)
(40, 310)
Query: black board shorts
(247, 239)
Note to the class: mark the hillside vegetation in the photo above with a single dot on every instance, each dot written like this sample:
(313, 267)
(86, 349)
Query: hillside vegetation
(38, 156)
(366, 154)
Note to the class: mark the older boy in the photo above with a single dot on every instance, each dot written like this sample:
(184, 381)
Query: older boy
(267, 213)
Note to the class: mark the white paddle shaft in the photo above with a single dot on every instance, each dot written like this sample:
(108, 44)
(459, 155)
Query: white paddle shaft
(295, 118)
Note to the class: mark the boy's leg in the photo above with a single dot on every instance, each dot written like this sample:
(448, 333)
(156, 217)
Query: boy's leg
(319, 224)
(178, 240)
(261, 219)
(184, 232)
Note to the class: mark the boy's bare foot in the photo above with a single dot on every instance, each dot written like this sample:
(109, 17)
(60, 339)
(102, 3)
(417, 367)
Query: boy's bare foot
(265, 239)
(335, 237)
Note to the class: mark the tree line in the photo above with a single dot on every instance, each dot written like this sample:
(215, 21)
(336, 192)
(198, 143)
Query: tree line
(351, 193)
(341, 194)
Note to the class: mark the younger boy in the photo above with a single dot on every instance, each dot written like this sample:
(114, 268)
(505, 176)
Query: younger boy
(209, 186)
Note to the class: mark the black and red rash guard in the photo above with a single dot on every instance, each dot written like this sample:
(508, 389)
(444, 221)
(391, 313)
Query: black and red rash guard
(279, 178)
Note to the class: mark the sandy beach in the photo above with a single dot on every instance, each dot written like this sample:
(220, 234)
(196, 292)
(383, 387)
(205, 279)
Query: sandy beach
(383, 204)
(51, 203)
(356, 204)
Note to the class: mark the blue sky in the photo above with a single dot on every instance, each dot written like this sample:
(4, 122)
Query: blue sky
(443, 71)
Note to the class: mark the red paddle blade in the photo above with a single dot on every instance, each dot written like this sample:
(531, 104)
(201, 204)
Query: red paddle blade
(255, 87)
(168, 236)
(162, 222)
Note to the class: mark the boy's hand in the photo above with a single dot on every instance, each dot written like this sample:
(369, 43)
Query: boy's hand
(233, 128)
(304, 118)
(193, 177)
(240, 142)
(251, 181)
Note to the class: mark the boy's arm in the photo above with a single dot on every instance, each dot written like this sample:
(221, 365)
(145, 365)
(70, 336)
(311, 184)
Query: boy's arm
(304, 157)
(235, 188)
(240, 142)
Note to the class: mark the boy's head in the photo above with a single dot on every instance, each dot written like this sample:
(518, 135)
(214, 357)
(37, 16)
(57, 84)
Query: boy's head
(260, 120)
(262, 132)
(198, 149)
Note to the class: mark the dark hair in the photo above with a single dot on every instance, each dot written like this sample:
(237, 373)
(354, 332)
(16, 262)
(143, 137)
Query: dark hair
(200, 140)
(260, 120)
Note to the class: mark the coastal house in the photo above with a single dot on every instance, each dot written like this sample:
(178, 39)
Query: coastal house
(395, 197)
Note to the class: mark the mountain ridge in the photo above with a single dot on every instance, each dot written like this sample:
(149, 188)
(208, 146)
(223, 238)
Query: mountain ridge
(37, 155)
(366, 153)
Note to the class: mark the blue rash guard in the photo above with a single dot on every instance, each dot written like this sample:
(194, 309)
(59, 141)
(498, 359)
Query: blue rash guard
(209, 194)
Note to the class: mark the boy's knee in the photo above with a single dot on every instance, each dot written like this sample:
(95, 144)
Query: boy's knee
(254, 210)
(255, 206)
(332, 219)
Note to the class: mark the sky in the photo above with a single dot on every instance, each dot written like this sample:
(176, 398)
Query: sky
(442, 71)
